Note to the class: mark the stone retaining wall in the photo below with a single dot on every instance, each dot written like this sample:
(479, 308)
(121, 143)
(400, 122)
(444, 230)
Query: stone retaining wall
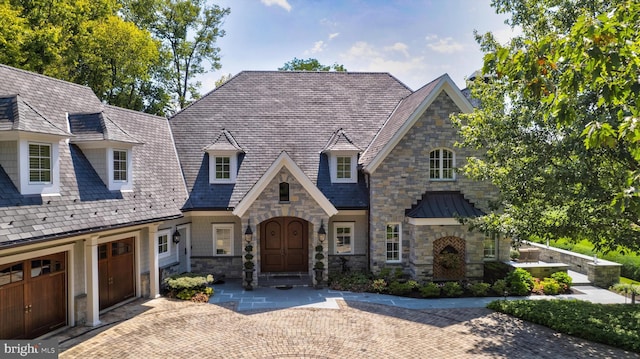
(600, 272)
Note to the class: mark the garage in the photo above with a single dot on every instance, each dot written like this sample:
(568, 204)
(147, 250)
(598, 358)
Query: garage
(116, 272)
(33, 296)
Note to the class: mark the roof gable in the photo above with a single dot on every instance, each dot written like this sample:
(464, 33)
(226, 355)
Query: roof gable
(339, 141)
(224, 143)
(17, 115)
(91, 127)
(284, 160)
(406, 115)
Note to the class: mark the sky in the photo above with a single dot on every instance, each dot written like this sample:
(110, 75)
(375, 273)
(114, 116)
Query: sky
(414, 40)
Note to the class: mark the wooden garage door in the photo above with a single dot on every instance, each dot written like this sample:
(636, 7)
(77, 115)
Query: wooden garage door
(115, 272)
(33, 297)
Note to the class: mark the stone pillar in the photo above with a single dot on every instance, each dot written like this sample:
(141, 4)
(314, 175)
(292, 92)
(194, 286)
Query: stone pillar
(91, 270)
(154, 272)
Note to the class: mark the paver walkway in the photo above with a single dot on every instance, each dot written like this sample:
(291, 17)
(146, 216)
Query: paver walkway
(345, 328)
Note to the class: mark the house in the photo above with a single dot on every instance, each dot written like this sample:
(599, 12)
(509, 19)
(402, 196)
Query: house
(313, 170)
(285, 157)
(90, 199)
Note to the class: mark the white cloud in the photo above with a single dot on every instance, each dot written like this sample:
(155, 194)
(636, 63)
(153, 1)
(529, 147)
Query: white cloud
(318, 46)
(399, 47)
(334, 35)
(443, 46)
(282, 3)
(505, 34)
(359, 50)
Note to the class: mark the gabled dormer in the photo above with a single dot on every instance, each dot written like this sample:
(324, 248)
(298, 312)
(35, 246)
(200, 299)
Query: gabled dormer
(108, 148)
(343, 158)
(223, 158)
(29, 147)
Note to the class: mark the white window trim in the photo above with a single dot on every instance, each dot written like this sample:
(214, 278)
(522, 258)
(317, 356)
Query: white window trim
(164, 232)
(333, 167)
(399, 242)
(495, 238)
(441, 169)
(215, 240)
(120, 185)
(42, 188)
(336, 225)
(233, 167)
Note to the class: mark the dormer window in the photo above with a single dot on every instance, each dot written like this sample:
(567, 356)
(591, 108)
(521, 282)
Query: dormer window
(343, 167)
(223, 167)
(120, 166)
(39, 163)
(119, 170)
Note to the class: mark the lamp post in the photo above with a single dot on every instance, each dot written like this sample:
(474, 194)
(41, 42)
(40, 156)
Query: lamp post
(318, 268)
(248, 264)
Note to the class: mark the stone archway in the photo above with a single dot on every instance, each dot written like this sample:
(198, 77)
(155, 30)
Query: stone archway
(449, 258)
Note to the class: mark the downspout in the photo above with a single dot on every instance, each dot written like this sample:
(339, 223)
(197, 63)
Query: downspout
(368, 184)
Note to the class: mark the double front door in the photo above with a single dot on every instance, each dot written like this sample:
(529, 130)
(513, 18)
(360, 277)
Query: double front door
(33, 296)
(115, 272)
(284, 245)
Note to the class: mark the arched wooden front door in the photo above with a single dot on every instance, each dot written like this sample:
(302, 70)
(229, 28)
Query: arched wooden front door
(284, 245)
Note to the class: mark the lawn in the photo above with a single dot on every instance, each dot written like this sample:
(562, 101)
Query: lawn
(617, 325)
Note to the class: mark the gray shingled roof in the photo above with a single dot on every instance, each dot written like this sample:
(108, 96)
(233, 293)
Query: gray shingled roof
(90, 127)
(224, 142)
(17, 115)
(443, 204)
(85, 204)
(341, 142)
(405, 109)
(273, 111)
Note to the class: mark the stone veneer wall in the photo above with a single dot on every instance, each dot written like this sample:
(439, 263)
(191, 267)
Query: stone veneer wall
(602, 274)
(355, 263)
(402, 178)
(300, 205)
(219, 267)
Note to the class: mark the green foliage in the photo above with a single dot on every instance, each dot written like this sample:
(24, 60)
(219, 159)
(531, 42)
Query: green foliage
(452, 289)
(557, 127)
(401, 289)
(309, 65)
(353, 281)
(379, 285)
(479, 289)
(430, 290)
(617, 325)
(563, 279)
(626, 288)
(550, 286)
(519, 282)
(494, 271)
(249, 265)
(186, 286)
(319, 256)
(319, 265)
(499, 287)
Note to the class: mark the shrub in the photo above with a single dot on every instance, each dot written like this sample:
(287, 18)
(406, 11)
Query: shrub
(452, 289)
(494, 271)
(520, 282)
(563, 279)
(537, 287)
(186, 286)
(550, 286)
(353, 281)
(397, 288)
(499, 287)
(430, 290)
(514, 254)
(380, 285)
(479, 289)
(630, 270)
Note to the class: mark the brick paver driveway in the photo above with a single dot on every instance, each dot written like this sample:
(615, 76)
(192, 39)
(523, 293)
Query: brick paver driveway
(176, 329)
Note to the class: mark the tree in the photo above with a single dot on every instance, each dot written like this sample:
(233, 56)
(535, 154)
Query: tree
(188, 31)
(558, 122)
(310, 65)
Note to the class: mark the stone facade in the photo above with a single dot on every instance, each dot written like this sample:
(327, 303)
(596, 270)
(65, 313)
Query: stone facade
(355, 263)
(219, 267)
(403, 177)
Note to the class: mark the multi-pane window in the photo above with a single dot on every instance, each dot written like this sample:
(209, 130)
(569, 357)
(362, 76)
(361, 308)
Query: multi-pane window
(163, 244)
(343, 170)
(223, 168)
(223, 239)
(120, 165)
(441, 164)
(39, 163)
(393, 242)
(343, 234)
(490, 246)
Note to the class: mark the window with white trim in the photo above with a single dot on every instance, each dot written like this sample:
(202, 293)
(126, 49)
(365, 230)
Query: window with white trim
(394, 242)
(343, 166)
(120, 165)
(343, 169)
(223, 167)
(223, 239)
(39, 163)
(343, 236)
(441, 164)
(164, 244)
(490, 245)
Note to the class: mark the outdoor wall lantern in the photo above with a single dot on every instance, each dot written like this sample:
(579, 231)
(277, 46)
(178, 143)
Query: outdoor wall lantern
(248, 234)
(322, 234)
(176, 237)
